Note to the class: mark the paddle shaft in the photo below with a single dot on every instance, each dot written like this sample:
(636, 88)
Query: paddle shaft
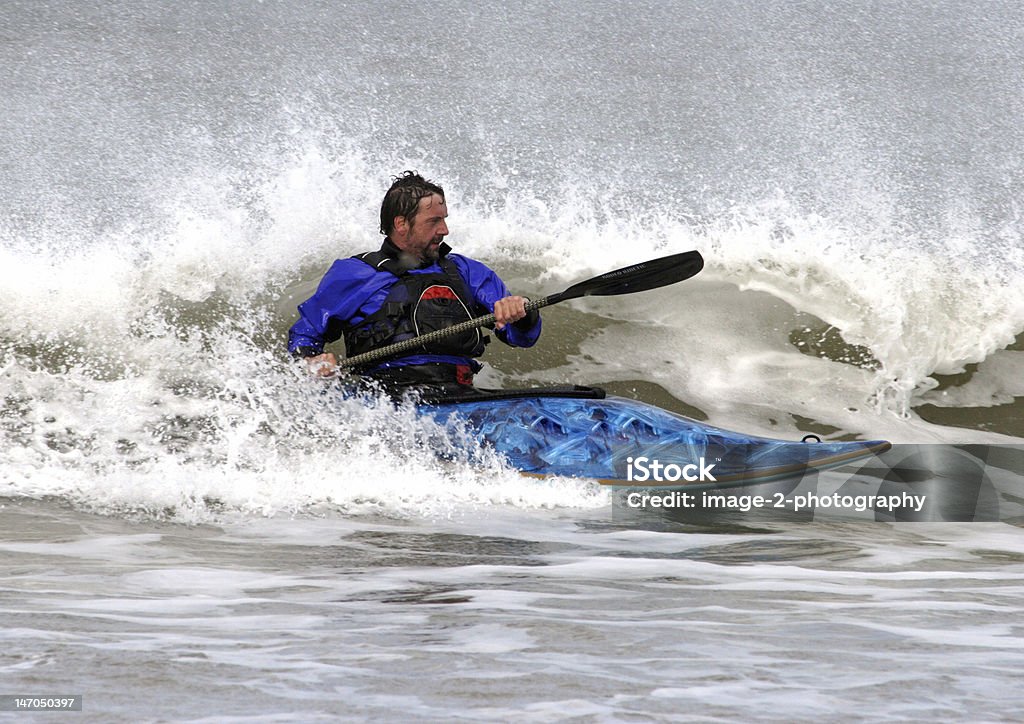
(636, 278)
(413, 343)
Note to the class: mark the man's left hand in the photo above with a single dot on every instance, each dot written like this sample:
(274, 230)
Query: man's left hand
(509, 310)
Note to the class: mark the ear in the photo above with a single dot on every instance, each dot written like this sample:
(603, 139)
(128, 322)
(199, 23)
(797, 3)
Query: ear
(400, 225)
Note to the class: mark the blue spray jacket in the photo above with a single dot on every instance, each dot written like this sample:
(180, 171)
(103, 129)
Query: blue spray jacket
(351, 290)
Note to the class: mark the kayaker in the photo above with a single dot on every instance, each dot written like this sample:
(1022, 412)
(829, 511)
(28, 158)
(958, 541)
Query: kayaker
(412, 285)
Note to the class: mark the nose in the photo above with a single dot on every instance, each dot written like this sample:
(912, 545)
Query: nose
(442, 230)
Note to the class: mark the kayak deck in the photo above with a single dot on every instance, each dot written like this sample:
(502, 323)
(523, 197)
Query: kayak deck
(578, 432)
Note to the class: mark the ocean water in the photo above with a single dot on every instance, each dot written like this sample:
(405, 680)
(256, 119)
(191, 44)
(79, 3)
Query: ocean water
(192, 529)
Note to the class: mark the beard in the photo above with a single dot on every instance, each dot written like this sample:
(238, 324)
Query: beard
(432, 251)
(426, 256)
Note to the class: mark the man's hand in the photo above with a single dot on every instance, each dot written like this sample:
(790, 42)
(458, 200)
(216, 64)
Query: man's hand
(509, 310)
(323, 365)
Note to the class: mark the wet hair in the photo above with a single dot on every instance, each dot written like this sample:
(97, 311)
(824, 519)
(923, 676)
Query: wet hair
(403, 198)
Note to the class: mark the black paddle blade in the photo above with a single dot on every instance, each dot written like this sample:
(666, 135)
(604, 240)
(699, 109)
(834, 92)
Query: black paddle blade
(638, 277)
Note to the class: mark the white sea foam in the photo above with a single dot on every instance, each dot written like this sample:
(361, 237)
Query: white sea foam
(143, 365)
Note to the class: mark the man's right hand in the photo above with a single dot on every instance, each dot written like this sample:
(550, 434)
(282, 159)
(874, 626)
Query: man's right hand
(323, 365)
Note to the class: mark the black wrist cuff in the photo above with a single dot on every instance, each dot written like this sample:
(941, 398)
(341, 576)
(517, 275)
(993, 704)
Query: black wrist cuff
(526, 323)
(303, 352)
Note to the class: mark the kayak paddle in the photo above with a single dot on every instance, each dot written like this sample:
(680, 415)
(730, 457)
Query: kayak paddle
(636, 278)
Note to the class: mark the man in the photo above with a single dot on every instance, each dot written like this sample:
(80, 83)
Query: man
(411, 286)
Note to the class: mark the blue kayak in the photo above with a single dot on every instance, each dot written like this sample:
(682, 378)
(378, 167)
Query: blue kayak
(580, 432)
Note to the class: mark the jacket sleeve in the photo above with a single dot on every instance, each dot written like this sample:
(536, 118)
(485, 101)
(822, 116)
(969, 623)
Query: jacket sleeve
(322, 317)
(487, 288)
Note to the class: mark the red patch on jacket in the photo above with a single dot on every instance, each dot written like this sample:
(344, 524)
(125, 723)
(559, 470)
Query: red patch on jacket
(438, 292)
